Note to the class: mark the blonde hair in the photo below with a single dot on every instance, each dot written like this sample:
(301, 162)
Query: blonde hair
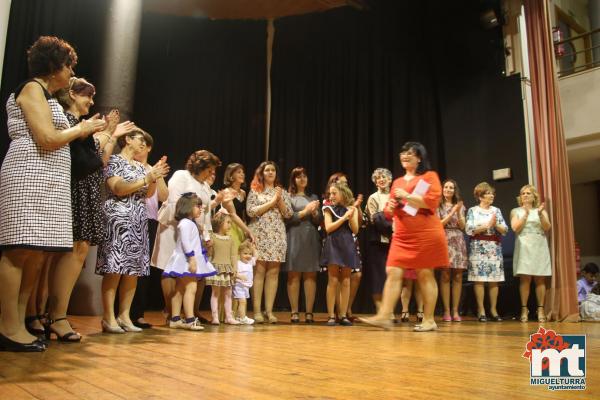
(534, 192)
(245, 245)
(217, 221)
(481, 189)
(347, 195)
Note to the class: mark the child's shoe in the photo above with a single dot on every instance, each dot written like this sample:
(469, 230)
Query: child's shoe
(192, 324)
(175, 323)
(246, 321)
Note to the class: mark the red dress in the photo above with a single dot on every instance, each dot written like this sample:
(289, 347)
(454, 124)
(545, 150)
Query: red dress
(419, 241)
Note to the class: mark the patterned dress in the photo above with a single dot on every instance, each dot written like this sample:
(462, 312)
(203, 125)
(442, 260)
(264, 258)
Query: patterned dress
(86, 201)
(485, 250)
(457, 249)
(532, 255)
(124, 249)
(269, 228)
(35, 186)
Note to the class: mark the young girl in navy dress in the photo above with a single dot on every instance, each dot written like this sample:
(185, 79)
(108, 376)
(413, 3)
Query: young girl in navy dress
(188, 263)
(223, 256)
(339, 251)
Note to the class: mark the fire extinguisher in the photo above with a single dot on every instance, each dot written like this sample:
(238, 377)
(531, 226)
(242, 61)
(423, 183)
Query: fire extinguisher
(557, 36)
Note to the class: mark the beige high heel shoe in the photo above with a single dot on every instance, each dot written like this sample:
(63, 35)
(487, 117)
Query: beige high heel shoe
(541, 314)
(524, 314)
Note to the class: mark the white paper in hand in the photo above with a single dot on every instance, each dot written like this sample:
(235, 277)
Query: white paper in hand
(421, 188)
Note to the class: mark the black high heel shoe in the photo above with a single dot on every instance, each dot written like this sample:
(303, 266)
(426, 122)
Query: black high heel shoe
(405, 316)
(10, 345)
(34, 331)
(69, 337)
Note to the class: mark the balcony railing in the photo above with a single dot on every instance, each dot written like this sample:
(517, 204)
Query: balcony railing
(577, 53)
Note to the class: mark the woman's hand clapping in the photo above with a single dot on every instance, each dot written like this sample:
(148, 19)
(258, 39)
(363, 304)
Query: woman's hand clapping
(159, 170)
(92, 125)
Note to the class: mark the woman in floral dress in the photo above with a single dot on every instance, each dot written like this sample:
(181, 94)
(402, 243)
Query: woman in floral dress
(452, 213)
(268, 205)
(485, 224)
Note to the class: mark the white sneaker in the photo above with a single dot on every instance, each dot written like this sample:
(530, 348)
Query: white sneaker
(192, 326)
(246, 321)
(175, 324)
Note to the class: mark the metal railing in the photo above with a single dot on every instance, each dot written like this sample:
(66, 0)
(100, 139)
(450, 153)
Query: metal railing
(577, 57)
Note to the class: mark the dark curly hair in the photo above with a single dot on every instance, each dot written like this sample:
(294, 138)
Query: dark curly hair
(49, 54)
(200, 160)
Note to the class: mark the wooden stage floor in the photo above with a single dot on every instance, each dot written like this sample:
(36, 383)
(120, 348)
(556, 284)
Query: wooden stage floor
(467, 360)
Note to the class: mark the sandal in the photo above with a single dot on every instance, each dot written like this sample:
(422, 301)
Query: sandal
(34, 331)
(524, 315)
(309, 318)
(420, 316)
(69, 337)
(405, 316)
(295, 318)
(541, 316)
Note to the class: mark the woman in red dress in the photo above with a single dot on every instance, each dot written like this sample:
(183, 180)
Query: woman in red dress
(418, 242)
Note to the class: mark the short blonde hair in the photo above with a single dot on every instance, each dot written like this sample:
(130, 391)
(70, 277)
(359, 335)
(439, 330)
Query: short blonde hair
(245, 245)
(481, 189)
(534, 192)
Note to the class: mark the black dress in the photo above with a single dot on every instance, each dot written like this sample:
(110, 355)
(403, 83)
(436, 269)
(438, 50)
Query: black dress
(339, 247)
(89, 221)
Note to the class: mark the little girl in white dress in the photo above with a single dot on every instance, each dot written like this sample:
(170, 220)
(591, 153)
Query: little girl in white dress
(188, 263)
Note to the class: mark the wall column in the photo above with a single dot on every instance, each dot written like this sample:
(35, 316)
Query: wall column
(4, 16)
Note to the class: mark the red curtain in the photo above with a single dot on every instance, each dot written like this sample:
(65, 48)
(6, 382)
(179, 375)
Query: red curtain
(552, 165)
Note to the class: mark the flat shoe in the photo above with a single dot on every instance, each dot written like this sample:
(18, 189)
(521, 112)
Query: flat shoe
(447, 318)
(482, 318)
(425, 328)
(258, 318)
(379, 323)
(457, 318)
(496, 318)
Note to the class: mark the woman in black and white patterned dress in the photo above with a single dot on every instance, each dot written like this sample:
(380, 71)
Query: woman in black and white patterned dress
(35, 198)
(124, 253)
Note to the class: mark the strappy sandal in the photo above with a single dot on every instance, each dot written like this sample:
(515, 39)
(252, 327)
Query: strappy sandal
(541, 318)
(405, 316)
(295, 318)
(69, 337)
(524, 315)
(30, 329)
(420, 316)
(309, 318)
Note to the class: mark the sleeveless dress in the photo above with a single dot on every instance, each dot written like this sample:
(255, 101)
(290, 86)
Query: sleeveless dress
(457, 248)
(88, 216)
(339, 247)
(35, 185)
(125, 248)
(418, 241)
(236, 233)
(532, 254)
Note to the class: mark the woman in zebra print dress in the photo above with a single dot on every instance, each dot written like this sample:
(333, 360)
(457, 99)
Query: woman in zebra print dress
(124, 253)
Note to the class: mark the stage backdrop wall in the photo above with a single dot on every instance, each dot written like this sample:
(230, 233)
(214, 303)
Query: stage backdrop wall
(350, 87)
